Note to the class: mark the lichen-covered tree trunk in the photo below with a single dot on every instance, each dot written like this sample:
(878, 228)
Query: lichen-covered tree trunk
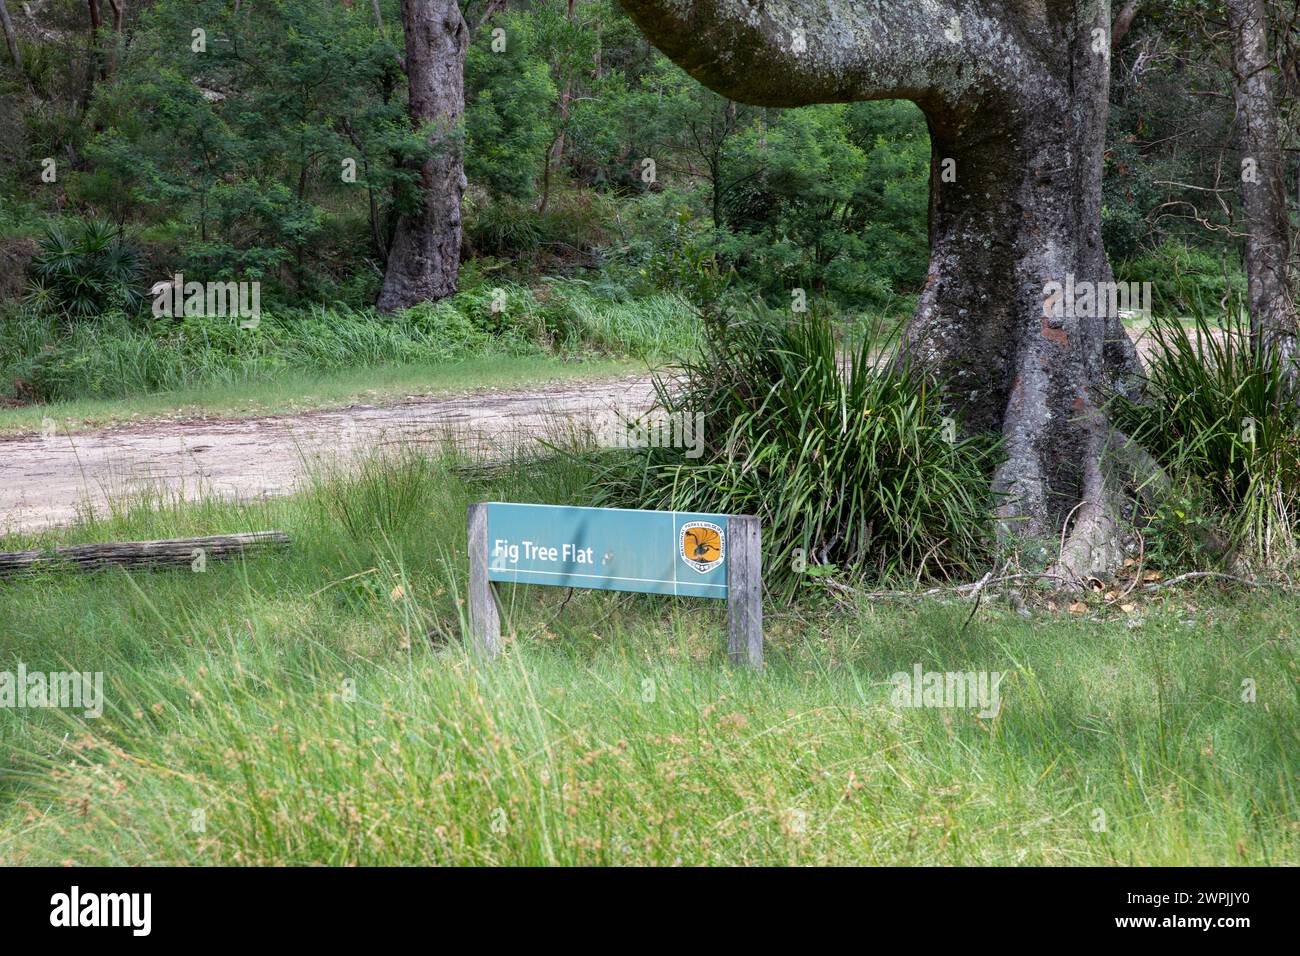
(1270, 292)
(424, 260)
(1015, 94)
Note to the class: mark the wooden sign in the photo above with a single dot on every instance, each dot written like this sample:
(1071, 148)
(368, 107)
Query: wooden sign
(616, 549)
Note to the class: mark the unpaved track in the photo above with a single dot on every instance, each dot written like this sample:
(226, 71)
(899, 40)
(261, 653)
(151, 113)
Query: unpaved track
(52, 480)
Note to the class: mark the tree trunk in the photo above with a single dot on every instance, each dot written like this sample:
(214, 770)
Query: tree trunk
(555, 152)
(424, 259)
(95, 66)
(11, 37)
(1123, 22)
(119, 16)
(1016, 106)
(1270, 292)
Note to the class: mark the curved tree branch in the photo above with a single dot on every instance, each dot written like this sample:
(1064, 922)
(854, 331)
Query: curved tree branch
(797, 52)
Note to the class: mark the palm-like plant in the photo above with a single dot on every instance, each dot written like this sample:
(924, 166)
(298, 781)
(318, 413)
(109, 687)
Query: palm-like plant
(84, 269)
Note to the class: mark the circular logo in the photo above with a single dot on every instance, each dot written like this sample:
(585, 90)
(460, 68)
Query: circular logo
(702, 545)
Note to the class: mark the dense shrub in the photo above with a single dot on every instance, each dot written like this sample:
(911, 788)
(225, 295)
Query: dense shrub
(1185, 281)
(855, 471)
(571, 232)
(1223, 418)
(83, 268)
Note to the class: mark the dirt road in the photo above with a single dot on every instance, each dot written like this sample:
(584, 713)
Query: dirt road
(51, 480)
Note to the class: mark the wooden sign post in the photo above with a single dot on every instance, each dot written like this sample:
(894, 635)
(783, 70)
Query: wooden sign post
(616, 549)
(745, 592)
(484, 621)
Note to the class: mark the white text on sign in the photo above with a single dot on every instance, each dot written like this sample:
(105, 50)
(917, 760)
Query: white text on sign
(505, 550)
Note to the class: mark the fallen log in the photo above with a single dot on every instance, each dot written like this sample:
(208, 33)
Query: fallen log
(193, 552)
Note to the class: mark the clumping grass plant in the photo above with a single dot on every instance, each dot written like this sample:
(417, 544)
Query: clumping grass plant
(1223, 419)
(84, 268)
(851, 462)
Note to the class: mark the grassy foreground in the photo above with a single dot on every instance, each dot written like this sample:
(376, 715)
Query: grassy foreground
(318, 707)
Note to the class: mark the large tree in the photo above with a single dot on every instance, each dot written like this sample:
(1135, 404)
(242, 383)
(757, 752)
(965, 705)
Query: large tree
(1015, 95)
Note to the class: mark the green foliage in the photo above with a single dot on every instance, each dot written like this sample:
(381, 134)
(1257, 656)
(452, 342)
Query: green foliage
(85, 268)
(122, 355)
(247, 140)
(508, 97)
(1185, 281)
(666, 247)
(505, 230)
(570, 233)
(857, 470)
(1226, 417)
(831, 199)
(1183, 529)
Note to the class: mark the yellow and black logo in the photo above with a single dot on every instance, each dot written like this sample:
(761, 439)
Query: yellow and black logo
(702, 545)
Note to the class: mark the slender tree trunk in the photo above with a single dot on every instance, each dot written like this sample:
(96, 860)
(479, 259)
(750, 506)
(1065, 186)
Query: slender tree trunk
(11, 37)
(119, 16)
(1270, 288)
(424, 258)
(715, 188)
(1016, 101)
(1123, 22)
(555, 152)
(95, 67)
(545, 198)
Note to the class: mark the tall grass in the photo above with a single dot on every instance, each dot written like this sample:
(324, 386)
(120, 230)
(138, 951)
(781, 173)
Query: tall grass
(1225, 417)
(119, 356)
(318, 707)
(654, 326)
(857, 470)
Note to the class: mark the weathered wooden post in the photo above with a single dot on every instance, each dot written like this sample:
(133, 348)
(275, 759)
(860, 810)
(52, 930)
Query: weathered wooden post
(745, 591)
(484, 621)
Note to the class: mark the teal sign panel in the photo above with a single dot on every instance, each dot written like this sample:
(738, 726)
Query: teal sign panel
(609, 549)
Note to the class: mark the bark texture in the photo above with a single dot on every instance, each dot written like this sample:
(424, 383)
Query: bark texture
(424, 259)
(1269, 287)
(11, 37)
(1015, 94)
